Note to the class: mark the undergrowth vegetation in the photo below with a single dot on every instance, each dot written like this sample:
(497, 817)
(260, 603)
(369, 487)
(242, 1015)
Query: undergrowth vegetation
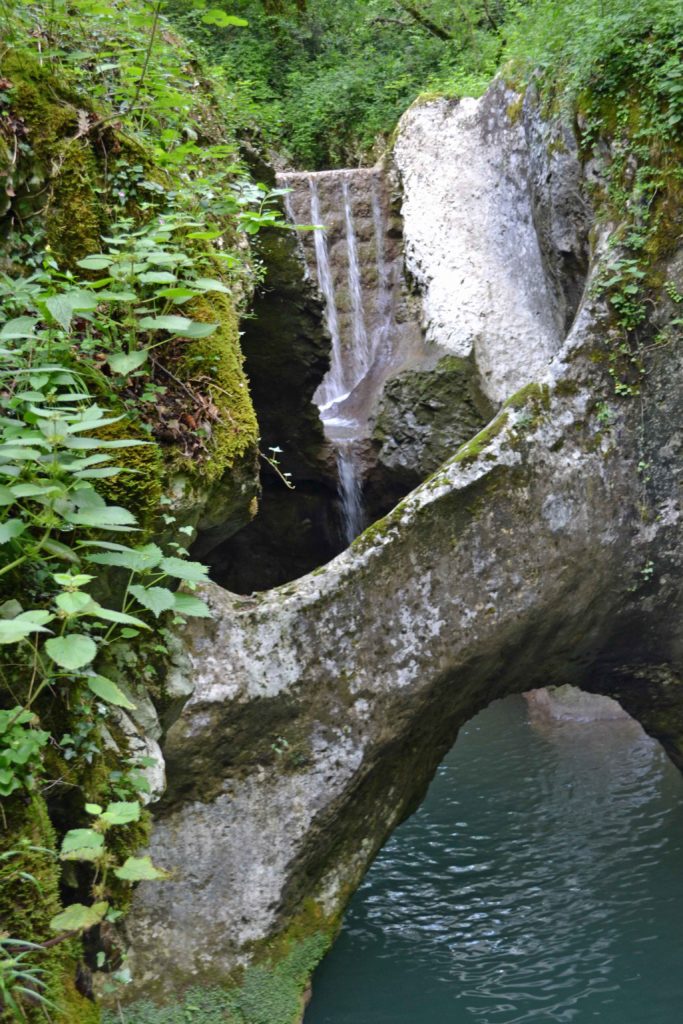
(125, 209)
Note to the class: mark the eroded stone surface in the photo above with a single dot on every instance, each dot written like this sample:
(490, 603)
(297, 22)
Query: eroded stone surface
(320, 710)
(472, 242)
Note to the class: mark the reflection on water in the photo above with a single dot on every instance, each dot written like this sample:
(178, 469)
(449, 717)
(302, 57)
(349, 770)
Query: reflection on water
(541, 880)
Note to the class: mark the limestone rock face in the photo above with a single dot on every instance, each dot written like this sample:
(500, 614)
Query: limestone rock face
(538, 553)
(472, 245)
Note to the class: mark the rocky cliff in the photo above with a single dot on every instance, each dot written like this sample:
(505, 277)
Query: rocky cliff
(545, 549)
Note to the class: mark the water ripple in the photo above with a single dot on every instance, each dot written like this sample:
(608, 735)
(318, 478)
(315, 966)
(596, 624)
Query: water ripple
(540, 881)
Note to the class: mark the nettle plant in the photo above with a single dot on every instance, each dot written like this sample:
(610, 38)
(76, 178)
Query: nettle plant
(56, 527)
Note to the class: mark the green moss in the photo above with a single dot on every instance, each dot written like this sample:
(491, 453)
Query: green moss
(29, 898)
(140, 488)
(214, 364)
(271, 991)
(473, 449)
(514, 110)
(538, 394)
(63, 169)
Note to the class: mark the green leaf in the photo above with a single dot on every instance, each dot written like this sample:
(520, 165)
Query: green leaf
(95, 262)
(111, 615)
(125, 362)
(7, 496)
(181, 326)
(20, 327)
(79, 918)
(18, 628)
(139, 869)
(187, 604)
(191, 572)
(82, 844)
(209, 284)
(108, 691)
(121, 813)
(218, 17)
(137, 559)
(205, 236)
(157, 277)
(67, 579)
(93, 809)
(72, 651)
(165, 323)
(59, 550)
(73, 602)
(155, 599)
(111, 517)
(11, 529)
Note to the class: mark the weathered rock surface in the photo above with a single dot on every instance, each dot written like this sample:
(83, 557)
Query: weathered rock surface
(473, 247)
(538, 553)
(569, 704)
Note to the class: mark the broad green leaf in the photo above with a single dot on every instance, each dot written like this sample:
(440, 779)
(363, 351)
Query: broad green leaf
(191, 572)
(82, 844)
(111, 517)
(93, 809)
(71, 602)
(125, 362)
(59, 550)
(181, 326)
(205, 236)
(108, 691)
(209, 284)
(111, 615)
(7, 496)
(102, 473)
(10, 609)
(121, 813)
(176, 293)
(67, 579)
(16, 629)
(95, 262)
(10, 529)
(156, 599)
(72, 651)
(139, 869)
(20, 327)
(79, 918)
(157, 277)
(137, 559)
(33, 490)
(187, 604)
(198, 330)
(165, 323)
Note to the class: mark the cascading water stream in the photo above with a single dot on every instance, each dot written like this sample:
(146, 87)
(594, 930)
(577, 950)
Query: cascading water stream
(359, 355)
(359, 301)
(349, 363)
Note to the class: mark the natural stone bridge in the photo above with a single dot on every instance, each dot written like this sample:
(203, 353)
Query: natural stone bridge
(545, 551)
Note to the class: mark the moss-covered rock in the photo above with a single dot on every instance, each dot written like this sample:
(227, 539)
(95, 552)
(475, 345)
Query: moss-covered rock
(29, 899)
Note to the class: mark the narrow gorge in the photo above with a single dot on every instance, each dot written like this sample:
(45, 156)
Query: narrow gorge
(340, 417)
(521, 561)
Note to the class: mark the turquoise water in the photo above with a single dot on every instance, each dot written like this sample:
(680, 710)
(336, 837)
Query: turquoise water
(541, 880)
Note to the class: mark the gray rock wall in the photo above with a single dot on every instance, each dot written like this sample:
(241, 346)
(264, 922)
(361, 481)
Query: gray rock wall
(538, 553)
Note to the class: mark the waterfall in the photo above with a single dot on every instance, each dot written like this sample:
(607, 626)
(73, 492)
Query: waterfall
(348, 256)
(358, 355)
(350, 488)
(348, 363)
(384, 283)
(333, 387)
